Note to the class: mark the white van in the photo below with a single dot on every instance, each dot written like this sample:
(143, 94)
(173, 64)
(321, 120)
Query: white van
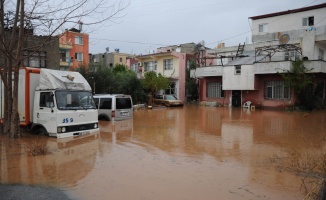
(113, 107)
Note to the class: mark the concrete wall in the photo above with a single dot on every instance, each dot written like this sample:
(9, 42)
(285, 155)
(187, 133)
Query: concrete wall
(243, 81)
(289, 22)
(48, 44)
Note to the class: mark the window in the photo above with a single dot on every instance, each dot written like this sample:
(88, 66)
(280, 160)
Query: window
(150, 66)
(134, 67)
(79, 56)
(171, 89)
(46, 99)
(120, 59)
(123, 103)
(276, 90)
(291, 55)
(262, 28)
(106, 103)
(321, 54)
(168, 64)
(237, 69)
(34, 59)
(214, 90)
(308, 21)
(78, 40)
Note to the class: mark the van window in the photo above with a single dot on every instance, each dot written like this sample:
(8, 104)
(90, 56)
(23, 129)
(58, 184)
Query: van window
(106, 103)
(123, 103)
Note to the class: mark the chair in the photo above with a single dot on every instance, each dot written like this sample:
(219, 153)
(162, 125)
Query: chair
(247, 104)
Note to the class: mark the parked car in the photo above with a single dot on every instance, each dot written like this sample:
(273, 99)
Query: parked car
(167, 100)
(113, 107)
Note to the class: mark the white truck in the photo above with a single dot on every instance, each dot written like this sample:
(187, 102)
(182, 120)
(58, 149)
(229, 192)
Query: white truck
(55, 103)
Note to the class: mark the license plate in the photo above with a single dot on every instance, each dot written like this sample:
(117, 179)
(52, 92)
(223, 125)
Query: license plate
(84, 133)
(124, 114)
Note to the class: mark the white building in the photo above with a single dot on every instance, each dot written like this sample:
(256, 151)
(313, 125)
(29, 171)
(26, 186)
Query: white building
(250, 72)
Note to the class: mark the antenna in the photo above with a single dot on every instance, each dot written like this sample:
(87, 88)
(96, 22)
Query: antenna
(284, 39)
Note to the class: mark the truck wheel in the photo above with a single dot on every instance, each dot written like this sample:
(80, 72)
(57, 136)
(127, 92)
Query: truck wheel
(41, 131)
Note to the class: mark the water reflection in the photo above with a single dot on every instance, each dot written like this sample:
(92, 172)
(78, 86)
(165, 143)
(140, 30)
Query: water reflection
(174, 153)
(71, 160)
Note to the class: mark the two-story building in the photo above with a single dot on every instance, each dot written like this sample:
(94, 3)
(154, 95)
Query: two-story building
(251, 72)
(170, 64)
(109, 59)
(74, 48)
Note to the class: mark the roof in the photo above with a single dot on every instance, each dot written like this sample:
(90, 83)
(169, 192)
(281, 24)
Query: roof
(65, 80)
(289, 11)
(154, 55)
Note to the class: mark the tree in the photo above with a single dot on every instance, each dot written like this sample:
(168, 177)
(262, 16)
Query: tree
(20, 20)
(154, 83)
(191, 83)
(119, 68)
(300, 81)
(117, 80)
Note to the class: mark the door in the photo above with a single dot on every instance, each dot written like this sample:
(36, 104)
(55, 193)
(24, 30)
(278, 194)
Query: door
(236, 98)
(45, 112)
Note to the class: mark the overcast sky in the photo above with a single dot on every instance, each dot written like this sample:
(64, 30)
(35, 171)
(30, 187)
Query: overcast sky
(148, 24)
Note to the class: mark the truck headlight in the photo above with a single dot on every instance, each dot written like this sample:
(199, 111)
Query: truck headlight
(61, 129)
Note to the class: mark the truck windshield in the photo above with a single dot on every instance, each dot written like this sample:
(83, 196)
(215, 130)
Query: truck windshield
(74, 100)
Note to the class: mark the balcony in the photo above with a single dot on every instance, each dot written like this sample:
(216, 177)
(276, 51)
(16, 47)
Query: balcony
(65, 62)
(294, 34)
(317, 66)
(207, 71)
(66, 45)
(271, 67)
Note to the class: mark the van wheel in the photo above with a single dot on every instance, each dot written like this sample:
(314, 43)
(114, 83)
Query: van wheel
(41, 131)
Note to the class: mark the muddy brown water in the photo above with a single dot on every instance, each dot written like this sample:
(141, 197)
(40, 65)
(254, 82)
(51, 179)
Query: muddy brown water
(173, 153)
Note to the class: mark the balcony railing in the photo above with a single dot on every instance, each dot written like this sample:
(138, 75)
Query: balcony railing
(207, 71)
(316, 66)
(65, 62)
(65, 46)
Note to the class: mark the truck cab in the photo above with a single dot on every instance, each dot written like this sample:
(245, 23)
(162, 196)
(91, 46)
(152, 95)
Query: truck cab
(63, 113)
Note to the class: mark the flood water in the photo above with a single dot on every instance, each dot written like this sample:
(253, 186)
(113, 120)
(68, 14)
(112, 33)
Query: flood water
(189, 153)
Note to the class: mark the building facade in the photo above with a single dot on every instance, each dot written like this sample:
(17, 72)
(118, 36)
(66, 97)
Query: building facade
(74, 49)
(171, 65)
(252, 72)
(109, 59)
(38, 51)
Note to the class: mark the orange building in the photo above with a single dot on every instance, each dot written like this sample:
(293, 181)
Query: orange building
(74, 48)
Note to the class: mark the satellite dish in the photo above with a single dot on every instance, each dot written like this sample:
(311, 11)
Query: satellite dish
(284, 39)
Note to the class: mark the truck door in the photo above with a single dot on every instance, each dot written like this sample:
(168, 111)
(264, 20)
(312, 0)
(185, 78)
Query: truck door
(46, 113)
